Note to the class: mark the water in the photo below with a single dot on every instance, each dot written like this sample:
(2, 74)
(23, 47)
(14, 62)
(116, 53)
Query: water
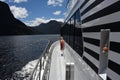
(17, 51)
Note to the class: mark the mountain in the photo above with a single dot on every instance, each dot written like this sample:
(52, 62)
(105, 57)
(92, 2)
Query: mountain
(52, 27)
(10, 25)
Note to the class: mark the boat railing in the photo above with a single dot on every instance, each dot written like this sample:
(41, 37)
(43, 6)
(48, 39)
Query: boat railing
(38, 71)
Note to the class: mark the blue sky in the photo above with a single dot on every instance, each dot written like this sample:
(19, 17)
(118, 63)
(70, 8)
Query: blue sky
(34, 12)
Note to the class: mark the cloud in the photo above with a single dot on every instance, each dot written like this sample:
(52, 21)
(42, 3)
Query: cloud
(38, 21)
(55, 2)
(57, 12)
(17, 1)
(19, 12)
(65, 14)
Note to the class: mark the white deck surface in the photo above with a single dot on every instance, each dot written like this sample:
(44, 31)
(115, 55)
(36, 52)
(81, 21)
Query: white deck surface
(57, 70)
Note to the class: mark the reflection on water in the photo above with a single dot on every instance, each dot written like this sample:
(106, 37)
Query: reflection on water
(17, 51)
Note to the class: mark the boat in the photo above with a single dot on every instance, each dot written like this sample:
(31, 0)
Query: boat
(91, 32)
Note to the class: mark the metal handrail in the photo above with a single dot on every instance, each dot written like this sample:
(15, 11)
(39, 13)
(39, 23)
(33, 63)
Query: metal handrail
(39, 64)
(47, 70)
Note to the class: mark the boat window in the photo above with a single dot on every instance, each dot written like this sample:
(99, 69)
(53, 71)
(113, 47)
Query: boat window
(78, 34)
(69, 30)
(78, 19)
(72, 32)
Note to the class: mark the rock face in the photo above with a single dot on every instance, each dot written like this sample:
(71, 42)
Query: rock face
(9, 25)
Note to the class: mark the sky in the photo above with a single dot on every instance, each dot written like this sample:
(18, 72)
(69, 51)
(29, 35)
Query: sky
(35, 12)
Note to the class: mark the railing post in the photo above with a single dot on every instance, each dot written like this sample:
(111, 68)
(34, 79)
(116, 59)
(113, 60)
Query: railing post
(40, 70)
(35, 75)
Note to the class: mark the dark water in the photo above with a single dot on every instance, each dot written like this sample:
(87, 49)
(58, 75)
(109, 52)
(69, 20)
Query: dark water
(17, 51)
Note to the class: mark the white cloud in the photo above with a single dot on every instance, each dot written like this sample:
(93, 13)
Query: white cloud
(19, 12)
(57, 12)
(38, 21)
(17, 1)
(55, 2)
(65, 14)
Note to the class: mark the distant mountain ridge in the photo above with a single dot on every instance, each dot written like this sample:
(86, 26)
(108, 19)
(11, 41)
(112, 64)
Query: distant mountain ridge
(52, 27)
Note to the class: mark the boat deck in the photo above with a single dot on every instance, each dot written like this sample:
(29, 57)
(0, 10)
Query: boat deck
(58, 65)
(63, 65)
(57, 70)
